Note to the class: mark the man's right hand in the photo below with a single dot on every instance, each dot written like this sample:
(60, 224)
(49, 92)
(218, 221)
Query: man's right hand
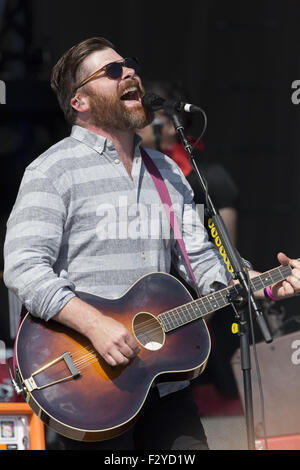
(113, 341)
(110, 338)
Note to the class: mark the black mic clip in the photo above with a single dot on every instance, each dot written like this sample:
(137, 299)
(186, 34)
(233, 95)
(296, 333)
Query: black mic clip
(155, 103)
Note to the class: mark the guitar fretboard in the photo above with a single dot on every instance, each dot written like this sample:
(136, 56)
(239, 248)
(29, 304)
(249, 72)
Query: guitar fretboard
(198, 308)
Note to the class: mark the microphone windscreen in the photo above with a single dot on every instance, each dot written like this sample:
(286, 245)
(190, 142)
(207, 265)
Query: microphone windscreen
(152, 101)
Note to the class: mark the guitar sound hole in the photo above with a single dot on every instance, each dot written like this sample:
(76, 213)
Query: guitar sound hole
(148, 331)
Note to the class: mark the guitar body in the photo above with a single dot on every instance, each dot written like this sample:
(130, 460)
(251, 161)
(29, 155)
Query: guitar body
(101, 401)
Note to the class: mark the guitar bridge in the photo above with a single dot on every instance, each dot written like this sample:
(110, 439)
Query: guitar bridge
(31, 384)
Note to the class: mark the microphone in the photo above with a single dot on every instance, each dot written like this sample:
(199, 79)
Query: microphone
(154, 103)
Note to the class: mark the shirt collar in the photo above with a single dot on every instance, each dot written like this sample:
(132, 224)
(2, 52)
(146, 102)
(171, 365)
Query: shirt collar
(89, 138)
(95, 141)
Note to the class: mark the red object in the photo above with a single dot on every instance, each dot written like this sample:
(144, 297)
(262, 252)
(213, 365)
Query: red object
(210, 402)
(180, 156)
(291, 442)
(7, 391)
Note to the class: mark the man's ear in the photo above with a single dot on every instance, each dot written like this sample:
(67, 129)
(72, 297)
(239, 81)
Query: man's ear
(78, 103)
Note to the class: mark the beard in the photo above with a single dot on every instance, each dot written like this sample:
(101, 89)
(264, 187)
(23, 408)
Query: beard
(110, 112)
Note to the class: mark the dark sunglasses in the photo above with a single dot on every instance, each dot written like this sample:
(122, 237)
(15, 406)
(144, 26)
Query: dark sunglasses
(114, 70)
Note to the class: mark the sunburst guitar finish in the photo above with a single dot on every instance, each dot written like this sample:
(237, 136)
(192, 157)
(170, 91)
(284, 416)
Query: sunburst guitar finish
(77, 394)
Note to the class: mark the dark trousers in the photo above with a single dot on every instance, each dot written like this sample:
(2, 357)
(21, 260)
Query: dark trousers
(168, 423)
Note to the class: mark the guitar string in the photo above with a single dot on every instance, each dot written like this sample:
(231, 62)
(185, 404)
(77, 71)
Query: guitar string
(142, 329)
(86, 347)
(79, 358)
(90, 356)
(220, 297)
(216, 297)
(87, 360)
(256, 281)
(174, 312)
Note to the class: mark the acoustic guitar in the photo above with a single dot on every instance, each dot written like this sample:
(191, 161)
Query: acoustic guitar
(77, 394)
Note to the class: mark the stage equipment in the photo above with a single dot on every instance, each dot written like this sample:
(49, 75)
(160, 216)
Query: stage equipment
(279, 443)
(280, 370)
(20, 428)
(239, 269)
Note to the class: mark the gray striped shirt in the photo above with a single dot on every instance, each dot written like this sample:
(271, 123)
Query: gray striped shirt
(80, 222)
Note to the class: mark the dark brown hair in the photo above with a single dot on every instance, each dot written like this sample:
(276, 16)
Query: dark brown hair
(67, 72)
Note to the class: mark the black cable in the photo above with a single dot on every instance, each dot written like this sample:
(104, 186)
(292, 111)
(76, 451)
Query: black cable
(202, 133)
(260, 388)
(193, 149)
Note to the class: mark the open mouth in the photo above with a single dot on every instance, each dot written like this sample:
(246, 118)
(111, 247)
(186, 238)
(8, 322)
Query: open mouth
(131, 94)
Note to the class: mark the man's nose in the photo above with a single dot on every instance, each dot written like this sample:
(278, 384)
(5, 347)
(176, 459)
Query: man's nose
(127, 72)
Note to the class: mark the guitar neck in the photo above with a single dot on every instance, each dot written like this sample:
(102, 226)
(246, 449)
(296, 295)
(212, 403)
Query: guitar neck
(198, 308)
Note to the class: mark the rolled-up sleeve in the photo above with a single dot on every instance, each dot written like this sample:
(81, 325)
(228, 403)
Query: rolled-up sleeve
(32, 244)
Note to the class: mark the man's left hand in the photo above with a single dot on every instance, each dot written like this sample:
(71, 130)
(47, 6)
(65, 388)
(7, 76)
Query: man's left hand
(291, 285)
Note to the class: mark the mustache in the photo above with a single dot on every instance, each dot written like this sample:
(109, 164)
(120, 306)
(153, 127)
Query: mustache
(129, 83)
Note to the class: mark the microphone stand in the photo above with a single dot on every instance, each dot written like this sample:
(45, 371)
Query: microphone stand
(240, 273)
(157, 125)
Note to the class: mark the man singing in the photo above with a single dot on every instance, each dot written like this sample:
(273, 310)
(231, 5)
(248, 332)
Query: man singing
(59, 238)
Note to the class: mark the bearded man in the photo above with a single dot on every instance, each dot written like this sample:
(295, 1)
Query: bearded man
(66, 231)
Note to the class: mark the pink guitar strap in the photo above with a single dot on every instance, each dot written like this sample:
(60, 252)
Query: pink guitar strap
(14, 360)
(166, 201)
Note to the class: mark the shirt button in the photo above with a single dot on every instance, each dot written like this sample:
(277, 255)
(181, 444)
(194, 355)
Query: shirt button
(117, 161)
(143, 255)
(110, 144)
